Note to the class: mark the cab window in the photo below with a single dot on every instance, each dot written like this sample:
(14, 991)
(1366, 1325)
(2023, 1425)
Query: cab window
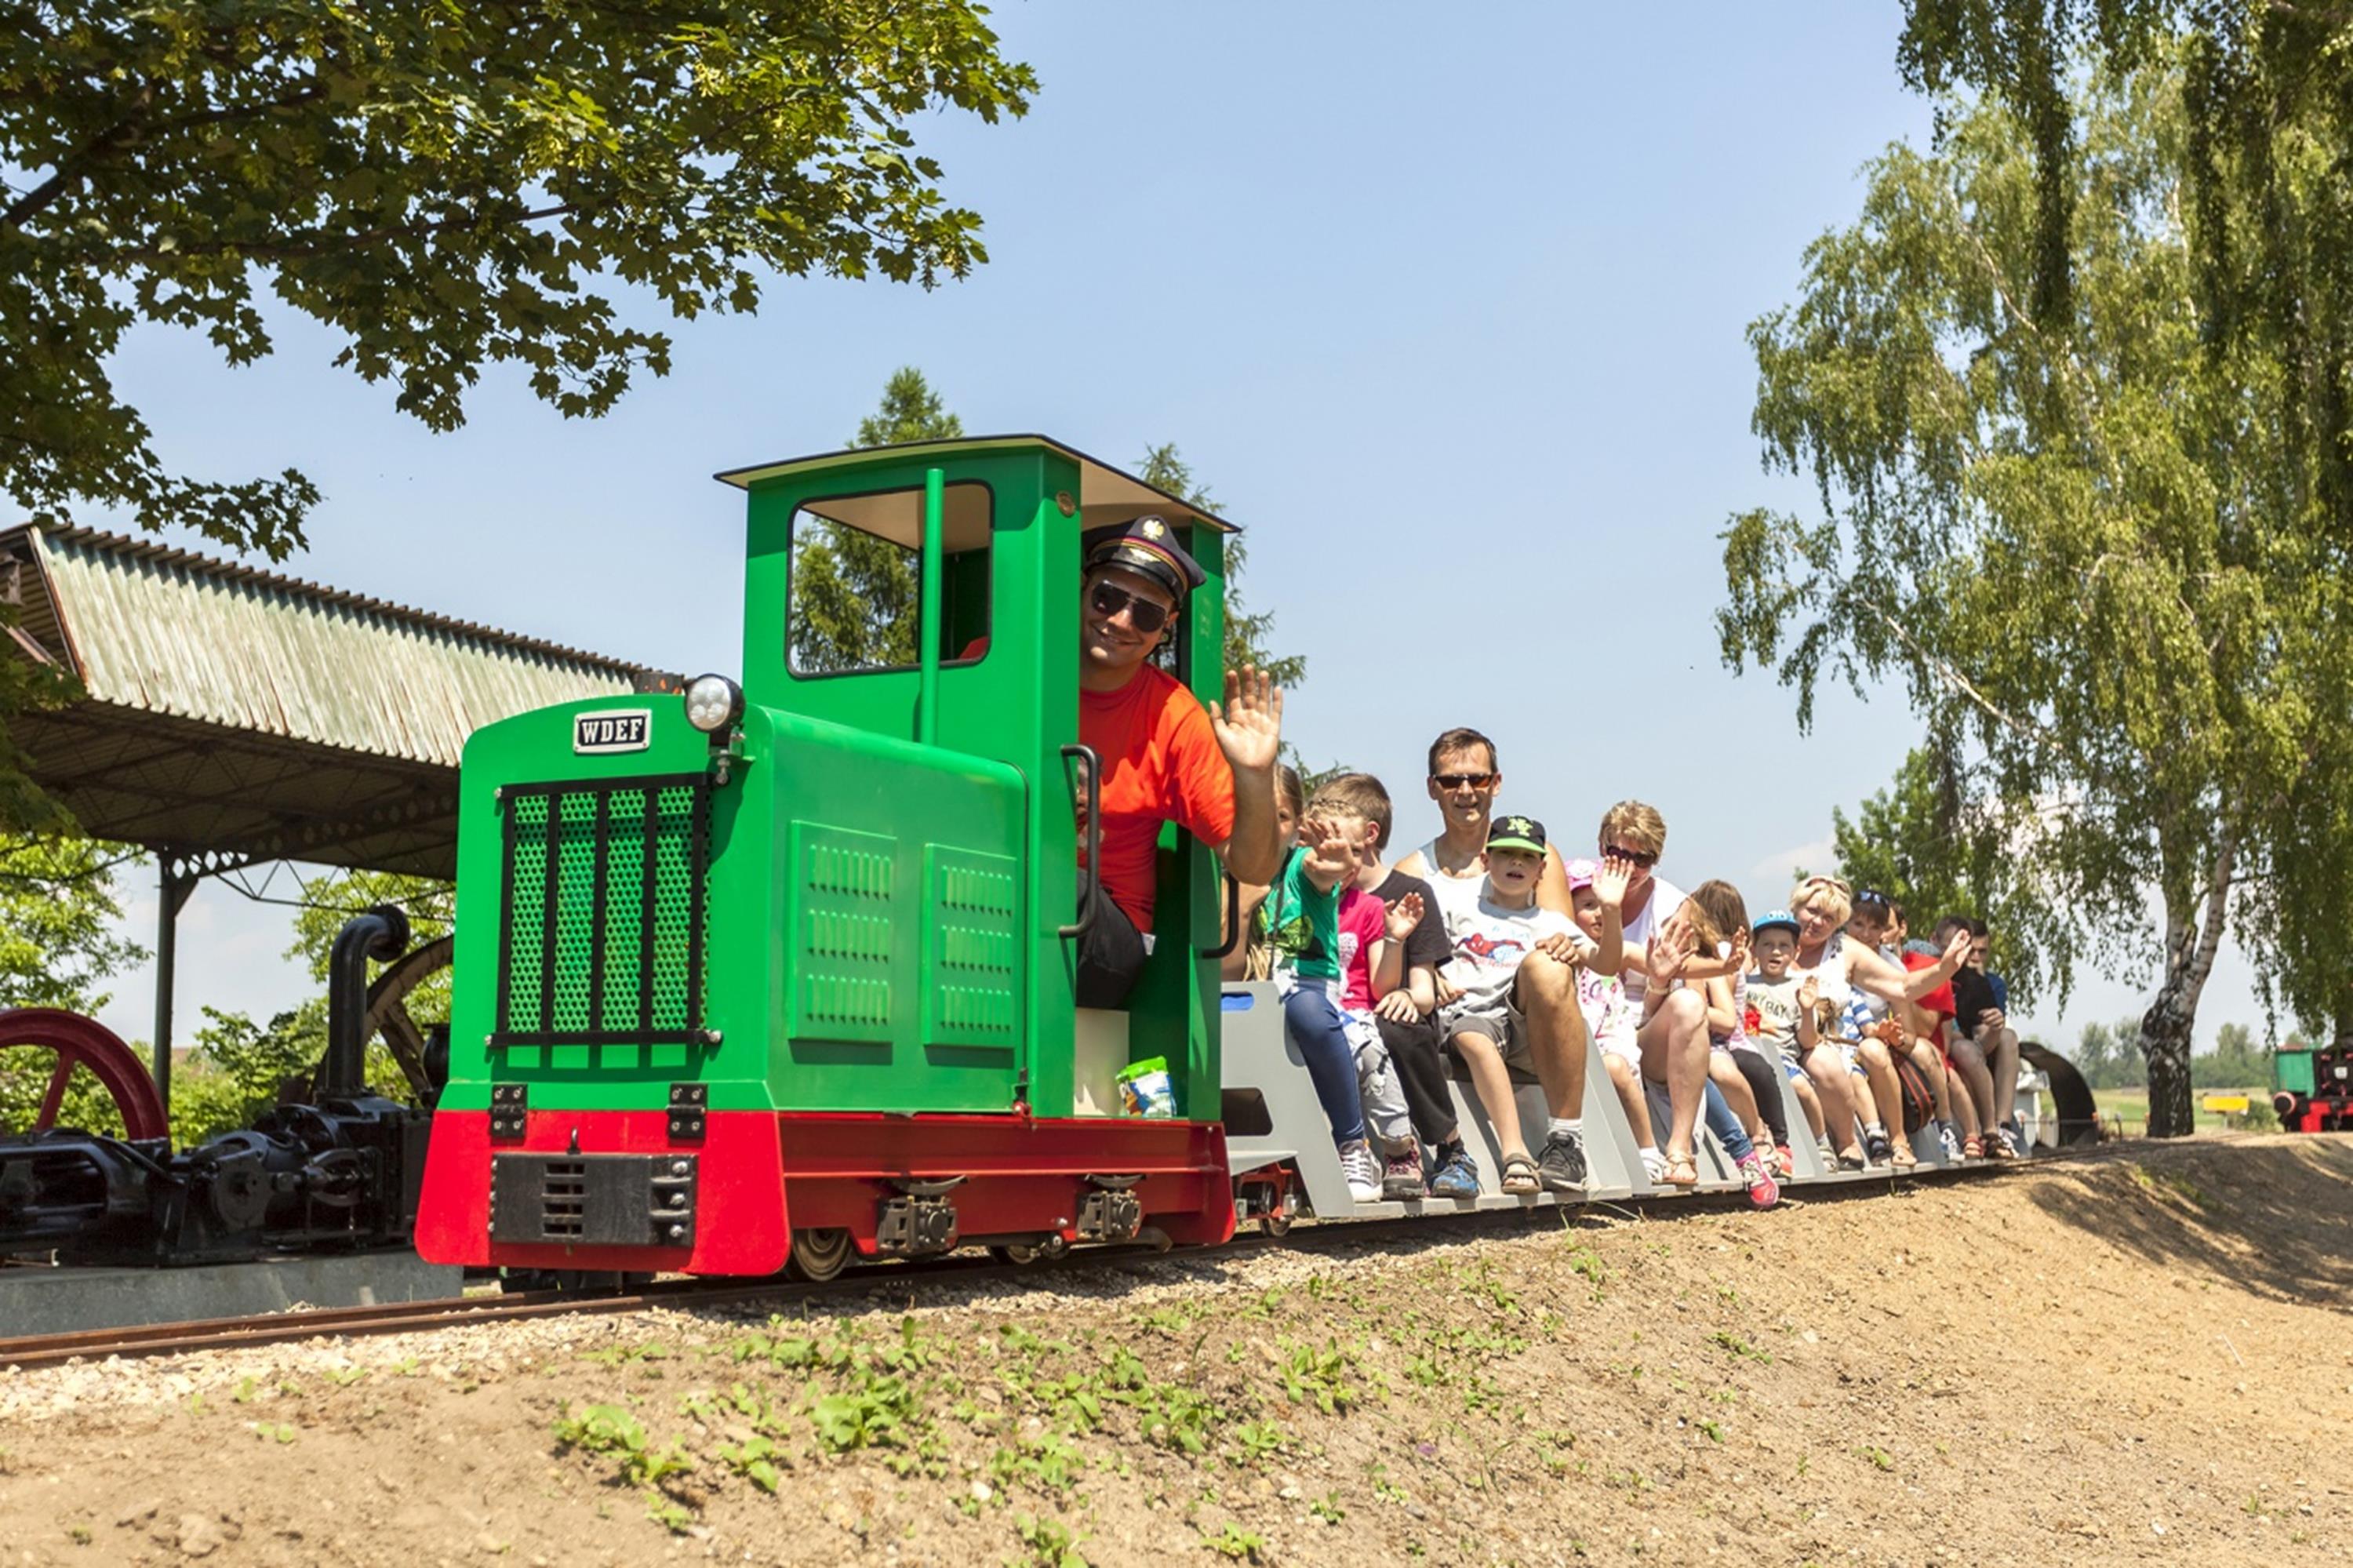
(856, 584)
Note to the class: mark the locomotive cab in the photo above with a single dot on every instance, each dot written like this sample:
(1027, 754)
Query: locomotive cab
(796, 973)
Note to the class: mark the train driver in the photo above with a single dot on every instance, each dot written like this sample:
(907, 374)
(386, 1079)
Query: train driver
(1164, 757)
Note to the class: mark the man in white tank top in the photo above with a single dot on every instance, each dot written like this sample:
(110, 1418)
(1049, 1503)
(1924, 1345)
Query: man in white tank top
(1464, 777)
(1464, 780)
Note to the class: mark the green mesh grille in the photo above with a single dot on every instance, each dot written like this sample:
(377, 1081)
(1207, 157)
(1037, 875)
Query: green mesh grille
(599, 875)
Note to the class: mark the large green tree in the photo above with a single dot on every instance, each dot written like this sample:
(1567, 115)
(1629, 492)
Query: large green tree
(445, 187)
(2266, 115)
(2075, 539)
(856, 596)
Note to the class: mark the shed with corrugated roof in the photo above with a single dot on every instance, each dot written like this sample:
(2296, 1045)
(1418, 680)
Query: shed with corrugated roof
(231, 715)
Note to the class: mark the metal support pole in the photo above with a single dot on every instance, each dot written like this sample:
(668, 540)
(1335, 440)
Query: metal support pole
(176, 884)
(929, 629)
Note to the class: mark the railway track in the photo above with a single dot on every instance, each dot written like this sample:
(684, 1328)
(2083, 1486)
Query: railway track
(31, 1352)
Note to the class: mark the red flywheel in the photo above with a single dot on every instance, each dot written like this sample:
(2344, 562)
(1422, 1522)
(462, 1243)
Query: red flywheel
(84, 1043)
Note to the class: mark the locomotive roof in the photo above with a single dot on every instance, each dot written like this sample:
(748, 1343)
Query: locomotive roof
(1106, 495)
(237, 713)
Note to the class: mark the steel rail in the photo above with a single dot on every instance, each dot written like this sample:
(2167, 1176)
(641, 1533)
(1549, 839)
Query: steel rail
(413, 1317)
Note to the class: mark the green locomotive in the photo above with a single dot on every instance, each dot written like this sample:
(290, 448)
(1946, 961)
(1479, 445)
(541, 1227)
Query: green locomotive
(786, 968)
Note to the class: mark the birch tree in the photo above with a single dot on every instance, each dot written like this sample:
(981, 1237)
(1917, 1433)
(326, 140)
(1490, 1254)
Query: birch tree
(2071, 534)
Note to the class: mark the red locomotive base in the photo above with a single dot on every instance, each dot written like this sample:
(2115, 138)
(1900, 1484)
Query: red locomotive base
(2324, 1115)
(763, 1174)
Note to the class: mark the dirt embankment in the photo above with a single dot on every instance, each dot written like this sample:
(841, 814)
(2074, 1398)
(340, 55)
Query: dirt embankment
(2134, 1358)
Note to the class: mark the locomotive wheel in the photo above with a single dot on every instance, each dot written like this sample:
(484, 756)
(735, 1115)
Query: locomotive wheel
(76, 1042)
(818, 1254)
(1274, 1226)
(1021, 1254)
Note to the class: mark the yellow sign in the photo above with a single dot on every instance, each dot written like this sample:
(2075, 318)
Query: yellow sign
(2231, 1104)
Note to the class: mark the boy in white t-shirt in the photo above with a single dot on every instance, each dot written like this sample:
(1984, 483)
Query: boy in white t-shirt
(1485, 1025)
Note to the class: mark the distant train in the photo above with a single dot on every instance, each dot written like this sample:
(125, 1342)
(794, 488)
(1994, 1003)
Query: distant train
(2312, 1087)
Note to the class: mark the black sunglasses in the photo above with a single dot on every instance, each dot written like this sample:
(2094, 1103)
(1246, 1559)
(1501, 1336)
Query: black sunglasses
(1643, 860)
(1145, 615)
(1462, 780)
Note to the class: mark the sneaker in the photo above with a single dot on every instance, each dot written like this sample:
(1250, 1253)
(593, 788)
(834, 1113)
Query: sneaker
(1763, 1191)
(1876, 1147)
(1654, 1167)
(1951, 1142)
(1401, 1175)
(2016, 1134)
(1457, 1175)
(1561, 1166)
(1364, 1173)
(1829, 1153)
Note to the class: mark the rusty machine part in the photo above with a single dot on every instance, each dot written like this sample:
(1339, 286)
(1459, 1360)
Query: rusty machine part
(343, 1171)
(423, 1060)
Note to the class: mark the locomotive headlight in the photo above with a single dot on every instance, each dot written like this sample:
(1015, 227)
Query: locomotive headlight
(712, 702)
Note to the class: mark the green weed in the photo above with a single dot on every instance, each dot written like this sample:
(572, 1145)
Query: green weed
(754, 1459)
(1234, 1541)
(1048, 1544)
(1319, 1377)
(609, 1430)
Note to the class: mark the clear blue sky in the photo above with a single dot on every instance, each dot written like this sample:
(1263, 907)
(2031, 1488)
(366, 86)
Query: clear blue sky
(1452, 318)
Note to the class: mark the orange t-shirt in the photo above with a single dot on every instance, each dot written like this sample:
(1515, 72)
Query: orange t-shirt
(1161, 764)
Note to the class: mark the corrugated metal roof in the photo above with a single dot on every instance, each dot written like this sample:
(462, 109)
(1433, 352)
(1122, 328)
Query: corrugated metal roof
(175, 633)
(244, 714)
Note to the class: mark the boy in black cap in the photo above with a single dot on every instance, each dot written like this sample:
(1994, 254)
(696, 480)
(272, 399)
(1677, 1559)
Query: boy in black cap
(1164, 757)
(1514, 963)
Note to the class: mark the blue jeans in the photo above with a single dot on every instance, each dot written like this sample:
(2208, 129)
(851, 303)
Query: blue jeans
(1315, 1025)
(1725, 1126)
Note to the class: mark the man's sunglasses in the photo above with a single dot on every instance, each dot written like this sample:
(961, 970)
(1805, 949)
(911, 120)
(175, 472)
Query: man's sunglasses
(1145, 615)
(1462, 780)
(1644, 860)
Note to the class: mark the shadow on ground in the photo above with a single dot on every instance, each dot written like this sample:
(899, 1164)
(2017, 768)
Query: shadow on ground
(2271, 1216)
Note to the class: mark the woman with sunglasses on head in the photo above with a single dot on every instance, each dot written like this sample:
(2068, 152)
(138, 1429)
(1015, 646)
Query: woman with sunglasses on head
(1839, 966)
(1164, 757)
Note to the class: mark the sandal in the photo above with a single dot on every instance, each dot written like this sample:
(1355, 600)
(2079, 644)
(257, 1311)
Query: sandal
(1519, 1175)
(1973, 1147)
(1903, 1159)
(1682, 1171)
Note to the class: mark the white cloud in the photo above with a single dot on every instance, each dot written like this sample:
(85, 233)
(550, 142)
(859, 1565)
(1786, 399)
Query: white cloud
(1782, 866)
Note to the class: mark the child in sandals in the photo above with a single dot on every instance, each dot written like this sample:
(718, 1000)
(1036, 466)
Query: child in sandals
(1492, 936)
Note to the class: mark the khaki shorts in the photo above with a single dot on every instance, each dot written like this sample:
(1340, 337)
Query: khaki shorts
(1503, 1026)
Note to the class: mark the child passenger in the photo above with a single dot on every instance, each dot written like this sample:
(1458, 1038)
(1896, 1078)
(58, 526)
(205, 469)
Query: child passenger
(1785, 1011)
(1297, 925)
(1484, 1024)
(1405, 1012)
(1599, 892)
(1743, 1076)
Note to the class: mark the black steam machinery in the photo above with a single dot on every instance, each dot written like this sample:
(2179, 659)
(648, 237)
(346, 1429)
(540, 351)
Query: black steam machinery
(333, 1168)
